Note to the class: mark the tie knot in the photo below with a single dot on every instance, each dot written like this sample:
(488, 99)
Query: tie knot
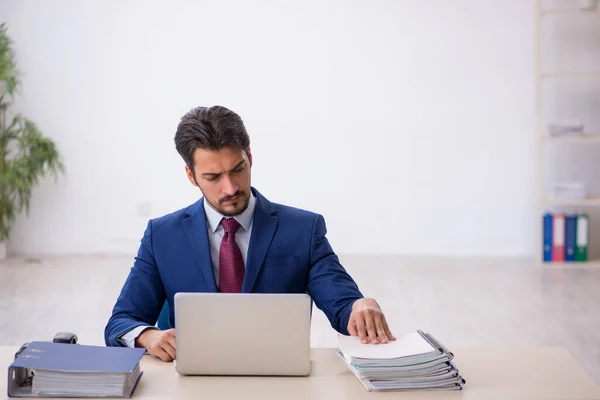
(230, 225)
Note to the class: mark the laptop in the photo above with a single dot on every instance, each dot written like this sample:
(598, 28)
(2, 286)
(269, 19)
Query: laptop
(242, 334)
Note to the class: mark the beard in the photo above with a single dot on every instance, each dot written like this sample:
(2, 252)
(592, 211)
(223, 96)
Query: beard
(240, 205)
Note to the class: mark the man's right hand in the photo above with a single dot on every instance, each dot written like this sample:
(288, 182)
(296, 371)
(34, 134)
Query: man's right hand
(158, 343)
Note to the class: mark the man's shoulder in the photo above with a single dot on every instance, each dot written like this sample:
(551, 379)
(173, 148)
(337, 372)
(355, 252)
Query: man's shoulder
(286, 211)
(294, 212)
(174, 217)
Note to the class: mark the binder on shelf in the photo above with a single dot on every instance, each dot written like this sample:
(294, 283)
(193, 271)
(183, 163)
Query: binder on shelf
(583, 223)
(547, 242)
(46, 369)
(570, 237)
(558, 238)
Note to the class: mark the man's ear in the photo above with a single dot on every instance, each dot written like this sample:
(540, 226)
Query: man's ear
(190, 175)
(249, 154)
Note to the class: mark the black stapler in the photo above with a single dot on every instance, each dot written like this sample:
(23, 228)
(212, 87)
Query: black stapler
(65, 337)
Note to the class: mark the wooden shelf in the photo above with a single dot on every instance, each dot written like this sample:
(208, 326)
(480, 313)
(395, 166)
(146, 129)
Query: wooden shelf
(591, 201)
(571, 74)
(569, 11)
(573, 264)
(572, 139)
(544, 75)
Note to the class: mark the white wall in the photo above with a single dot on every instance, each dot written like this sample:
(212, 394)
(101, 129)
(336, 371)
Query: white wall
(407, 124)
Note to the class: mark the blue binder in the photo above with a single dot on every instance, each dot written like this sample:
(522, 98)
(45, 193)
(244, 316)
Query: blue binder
(70, 362)
(570, 237)
(547, 250)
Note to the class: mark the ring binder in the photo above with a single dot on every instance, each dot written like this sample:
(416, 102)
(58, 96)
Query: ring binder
(45, 369)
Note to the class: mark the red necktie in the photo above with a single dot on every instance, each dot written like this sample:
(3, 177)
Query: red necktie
(231, 263)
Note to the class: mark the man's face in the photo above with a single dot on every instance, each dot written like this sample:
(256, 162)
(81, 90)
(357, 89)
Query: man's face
(223, 176)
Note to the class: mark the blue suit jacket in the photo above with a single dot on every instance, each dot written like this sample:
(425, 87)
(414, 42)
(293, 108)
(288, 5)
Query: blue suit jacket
(288, 253)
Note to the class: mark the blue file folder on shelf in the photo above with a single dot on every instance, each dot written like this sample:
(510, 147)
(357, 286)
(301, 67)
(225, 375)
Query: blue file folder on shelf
(570, 237)
(46, 369)
(547, 237)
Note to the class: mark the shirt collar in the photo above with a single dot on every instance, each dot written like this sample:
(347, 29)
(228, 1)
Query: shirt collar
(213, 217)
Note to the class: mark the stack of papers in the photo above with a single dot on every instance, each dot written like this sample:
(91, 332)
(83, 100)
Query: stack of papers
(47, 369)
(569, 190)
(566, 128)
(415, 361)
(84, 384)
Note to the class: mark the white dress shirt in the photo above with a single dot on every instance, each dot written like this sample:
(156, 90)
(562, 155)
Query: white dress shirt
(215, 235)
(216, 232)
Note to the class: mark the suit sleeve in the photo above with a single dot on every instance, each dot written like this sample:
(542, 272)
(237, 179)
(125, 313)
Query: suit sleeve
(141, 297)
(330, 286)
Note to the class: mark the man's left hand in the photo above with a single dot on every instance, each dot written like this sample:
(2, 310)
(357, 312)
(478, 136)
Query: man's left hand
(368, 322)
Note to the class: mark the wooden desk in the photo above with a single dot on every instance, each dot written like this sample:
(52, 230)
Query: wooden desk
(491, 373)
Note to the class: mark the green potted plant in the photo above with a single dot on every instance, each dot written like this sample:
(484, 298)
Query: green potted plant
(26, 155)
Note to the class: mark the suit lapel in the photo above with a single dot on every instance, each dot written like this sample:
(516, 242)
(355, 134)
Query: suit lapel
(197, 233)
(264, 224)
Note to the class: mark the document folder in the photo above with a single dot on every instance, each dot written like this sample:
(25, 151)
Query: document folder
(547, 231)
(570, 237)
(583, 222)
(46, 369)
(415, 361)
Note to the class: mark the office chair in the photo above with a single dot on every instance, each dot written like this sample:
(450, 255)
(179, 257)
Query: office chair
(163, 318)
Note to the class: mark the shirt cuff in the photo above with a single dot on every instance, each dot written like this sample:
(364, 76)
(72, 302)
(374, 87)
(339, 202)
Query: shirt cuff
(128, 339)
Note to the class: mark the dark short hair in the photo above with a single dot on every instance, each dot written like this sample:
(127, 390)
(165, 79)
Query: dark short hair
(211, 128)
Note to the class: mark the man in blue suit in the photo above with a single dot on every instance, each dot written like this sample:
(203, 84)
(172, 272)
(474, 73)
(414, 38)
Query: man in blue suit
(232, 240)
